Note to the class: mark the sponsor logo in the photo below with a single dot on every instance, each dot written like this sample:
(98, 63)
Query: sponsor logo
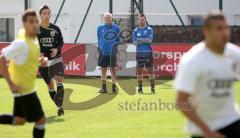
(52, 33)
(47, 40)
(73, 66)
(220, 83)
(110, 36)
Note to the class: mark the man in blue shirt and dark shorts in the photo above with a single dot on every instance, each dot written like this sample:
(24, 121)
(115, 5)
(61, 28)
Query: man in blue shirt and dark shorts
(142, 37)
(108, 40)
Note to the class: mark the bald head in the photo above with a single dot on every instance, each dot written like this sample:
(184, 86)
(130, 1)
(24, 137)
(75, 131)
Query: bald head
(107, 18)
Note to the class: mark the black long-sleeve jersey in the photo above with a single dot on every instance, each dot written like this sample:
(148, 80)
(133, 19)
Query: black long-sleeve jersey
(50, 37)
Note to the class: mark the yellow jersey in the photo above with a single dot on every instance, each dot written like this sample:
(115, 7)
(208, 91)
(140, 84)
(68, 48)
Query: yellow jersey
(24, 74)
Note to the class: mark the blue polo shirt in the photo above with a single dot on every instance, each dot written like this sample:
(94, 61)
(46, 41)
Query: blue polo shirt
(108, 39)
(144, 48)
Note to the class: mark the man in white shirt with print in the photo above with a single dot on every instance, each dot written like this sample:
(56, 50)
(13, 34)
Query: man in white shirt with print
(206, 75)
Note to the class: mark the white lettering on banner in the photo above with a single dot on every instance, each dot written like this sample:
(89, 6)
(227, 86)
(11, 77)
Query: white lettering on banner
(169, 55)
(168, 67)
(165, 67)
(174, 57)
(72, 66)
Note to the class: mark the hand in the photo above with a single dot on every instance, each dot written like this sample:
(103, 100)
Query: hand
(213, 134)
(14, 88)
(141, 40)
(43, 61)
(54, 52)
(138, 42)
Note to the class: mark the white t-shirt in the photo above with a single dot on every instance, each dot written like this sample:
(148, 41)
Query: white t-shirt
(16, 51)
(209, 79)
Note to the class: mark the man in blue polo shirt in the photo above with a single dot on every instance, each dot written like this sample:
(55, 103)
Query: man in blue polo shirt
(142, 37)
(108, 40)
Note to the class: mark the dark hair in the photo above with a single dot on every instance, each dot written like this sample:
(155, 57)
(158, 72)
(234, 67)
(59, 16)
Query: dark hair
(44, 7)
(213, 15)
(142, 15)
(28, 12)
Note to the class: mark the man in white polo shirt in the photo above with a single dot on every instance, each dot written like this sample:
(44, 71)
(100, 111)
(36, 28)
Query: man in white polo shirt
(206, 75)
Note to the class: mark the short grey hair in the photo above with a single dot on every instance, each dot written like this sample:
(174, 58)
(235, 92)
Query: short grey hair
(107, 14)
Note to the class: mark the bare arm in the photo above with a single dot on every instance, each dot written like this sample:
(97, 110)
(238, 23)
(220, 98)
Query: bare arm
(182, 99)
(43, 61)
(189, 112)
(5, 73)
(4, 70)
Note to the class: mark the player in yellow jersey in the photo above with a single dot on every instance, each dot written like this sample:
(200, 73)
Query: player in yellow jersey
(23, 56)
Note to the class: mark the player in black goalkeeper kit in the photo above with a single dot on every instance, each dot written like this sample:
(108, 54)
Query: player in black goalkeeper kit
(51, 42)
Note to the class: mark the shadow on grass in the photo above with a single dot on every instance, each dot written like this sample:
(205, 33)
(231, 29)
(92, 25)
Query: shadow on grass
(148, 94)
(128, 86)
(54, 119)
(100, 99)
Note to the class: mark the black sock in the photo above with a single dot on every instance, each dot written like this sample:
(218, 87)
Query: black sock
(104, 86)
(38, 133)
(114, 86)
(6, 119)
(52, 94)
(152, 81)
(60, 95)
(140, 84)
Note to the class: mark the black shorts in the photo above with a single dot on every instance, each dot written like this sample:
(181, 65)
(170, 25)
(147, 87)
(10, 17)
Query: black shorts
(145, 61)
(105, 61)
(230, 131)
(47, 73)
(28, 107)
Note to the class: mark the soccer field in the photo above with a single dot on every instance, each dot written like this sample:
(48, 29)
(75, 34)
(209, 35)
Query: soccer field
(103, 116)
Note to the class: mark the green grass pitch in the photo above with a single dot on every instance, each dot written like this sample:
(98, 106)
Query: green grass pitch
(104, 120)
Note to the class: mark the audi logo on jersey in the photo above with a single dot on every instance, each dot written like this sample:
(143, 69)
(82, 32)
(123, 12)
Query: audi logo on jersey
(47, 40)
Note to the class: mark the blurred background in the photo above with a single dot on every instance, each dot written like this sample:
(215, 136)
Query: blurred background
(174, 21)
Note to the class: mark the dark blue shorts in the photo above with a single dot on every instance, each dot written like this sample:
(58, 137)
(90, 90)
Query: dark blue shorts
(105, 61)
(145, 61)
